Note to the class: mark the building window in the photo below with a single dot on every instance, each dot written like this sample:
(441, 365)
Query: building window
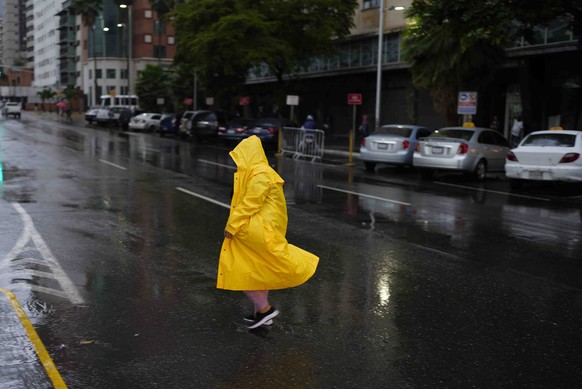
(123, 74)
(98, 73)
(147, 38)
(90, 74)
(370, 4)
(148, 13)
(111, 74)
(159, 27)
(159, 51)
(171, 40)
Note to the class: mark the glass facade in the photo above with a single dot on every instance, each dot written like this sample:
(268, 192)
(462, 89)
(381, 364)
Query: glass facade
(364, 52)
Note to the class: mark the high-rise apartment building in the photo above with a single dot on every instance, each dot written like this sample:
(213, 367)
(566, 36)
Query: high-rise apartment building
(13, 36)
(46, 49)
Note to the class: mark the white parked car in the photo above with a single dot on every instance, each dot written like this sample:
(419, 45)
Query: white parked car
(149, 122)
(470, 150)
(551, 155)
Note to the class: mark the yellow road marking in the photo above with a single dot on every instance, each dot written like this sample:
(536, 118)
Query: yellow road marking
(39, 348)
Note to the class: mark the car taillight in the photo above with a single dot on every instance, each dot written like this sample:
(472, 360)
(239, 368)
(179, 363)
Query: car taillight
(511, 157)
(570, 157)
(417, 148)
(463, 148)
(272, 130)
(405, 144)
(363, 142)
(240, 130)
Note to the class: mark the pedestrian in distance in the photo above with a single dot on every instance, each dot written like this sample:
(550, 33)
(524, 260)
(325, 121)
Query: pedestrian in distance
(364, 126)
(494, 123)
(255, 256)
(309, 123)
(516, 131)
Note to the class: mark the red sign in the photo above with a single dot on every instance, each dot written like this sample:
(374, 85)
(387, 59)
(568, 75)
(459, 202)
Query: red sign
(354, 98)
(187, 101)
(244, 100)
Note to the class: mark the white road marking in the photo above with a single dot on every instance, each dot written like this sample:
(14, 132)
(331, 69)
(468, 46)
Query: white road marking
(112, 164)
(217, 164)
(227, 206)
(363, 195)
(24, 273)
(30, 234)
(492, 191)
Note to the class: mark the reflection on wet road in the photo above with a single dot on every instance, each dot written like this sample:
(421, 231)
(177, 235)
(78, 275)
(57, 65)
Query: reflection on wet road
(420, 284)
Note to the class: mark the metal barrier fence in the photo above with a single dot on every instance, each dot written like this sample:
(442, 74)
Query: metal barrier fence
(303, 143)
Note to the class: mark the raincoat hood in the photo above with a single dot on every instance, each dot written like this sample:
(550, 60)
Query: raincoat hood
(249, 153)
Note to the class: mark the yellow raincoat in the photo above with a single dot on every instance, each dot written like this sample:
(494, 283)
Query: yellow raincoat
(258, 256)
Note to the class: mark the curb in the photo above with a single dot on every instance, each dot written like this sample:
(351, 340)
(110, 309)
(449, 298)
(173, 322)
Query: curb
(39, 348)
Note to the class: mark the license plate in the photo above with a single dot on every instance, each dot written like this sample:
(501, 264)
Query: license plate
(230, 131)
(382, 146)
(256, 131)
(535, 175)
(437, 150)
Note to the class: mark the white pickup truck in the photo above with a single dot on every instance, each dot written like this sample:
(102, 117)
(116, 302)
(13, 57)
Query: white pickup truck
(12, 108)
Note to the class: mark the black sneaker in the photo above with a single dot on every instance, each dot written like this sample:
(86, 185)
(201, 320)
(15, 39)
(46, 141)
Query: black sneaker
(253, 318)
(263, 318)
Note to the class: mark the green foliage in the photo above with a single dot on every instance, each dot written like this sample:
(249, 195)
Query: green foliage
(456, 44)
(46, 94)
(88, 9)
(224, 39)
(153, 83)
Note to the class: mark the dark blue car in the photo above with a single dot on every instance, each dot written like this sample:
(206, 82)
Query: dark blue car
(169, 125)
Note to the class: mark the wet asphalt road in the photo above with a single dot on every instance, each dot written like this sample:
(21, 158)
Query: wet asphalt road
(437, 284)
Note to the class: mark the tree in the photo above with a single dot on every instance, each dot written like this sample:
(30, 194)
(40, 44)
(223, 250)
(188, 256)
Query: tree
(46, 94)
(224, 39)
(153, 83)
(455, 44)
(89, 10)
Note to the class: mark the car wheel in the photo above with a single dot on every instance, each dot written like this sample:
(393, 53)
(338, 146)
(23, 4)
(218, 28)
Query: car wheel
(370, 166)
(152, 129)
(480, 171)
(426, 174)
(515, 184)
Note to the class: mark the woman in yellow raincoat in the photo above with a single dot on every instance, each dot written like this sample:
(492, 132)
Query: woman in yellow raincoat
(255, 255)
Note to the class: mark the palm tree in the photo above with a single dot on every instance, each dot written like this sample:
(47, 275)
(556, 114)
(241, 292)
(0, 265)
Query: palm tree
(447, 57)
(89, 10)
(45, 94)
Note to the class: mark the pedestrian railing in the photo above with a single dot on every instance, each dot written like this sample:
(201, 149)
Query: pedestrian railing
(302, 143)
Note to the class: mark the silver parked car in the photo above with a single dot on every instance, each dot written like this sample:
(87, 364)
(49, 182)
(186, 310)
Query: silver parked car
(391, 144)
(473, 151)
(546, 156)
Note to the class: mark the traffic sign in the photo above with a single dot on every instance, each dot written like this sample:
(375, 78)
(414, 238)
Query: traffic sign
(467, 104)
(354, 98)
(244, 100)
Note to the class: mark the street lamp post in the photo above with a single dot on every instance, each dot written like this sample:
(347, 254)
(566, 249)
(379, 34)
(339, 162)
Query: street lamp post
(127, 6)
(379, 64)
(126, 45)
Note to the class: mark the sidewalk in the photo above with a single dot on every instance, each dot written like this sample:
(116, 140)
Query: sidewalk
(20, 364)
